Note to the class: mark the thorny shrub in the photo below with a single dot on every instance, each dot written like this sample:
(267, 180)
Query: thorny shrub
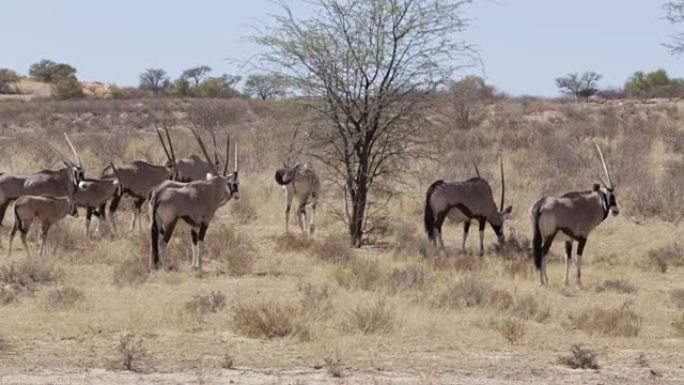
(580, 357)
(63, 298)
(621, 321)
(270, 320)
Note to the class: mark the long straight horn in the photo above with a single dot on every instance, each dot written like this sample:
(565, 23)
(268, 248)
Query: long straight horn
(161, 139)
(216, 156)
(59, 154)
(225, 164)
(78, 158)
(204, 151)
(605, 167)
(503, 185)
(236, 156)
(477, 171)
(168, 139)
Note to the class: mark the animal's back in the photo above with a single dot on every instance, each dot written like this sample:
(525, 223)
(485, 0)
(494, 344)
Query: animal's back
(473, 195)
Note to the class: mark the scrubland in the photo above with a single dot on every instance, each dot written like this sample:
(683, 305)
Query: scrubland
(287, 309)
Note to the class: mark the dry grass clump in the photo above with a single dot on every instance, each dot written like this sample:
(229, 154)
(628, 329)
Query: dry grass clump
(293, 243)
(529, 308)
(270, 320)
(371, 317)
(512, 329)
(133, 271)
(243, 211)
(407, 278)
(236, 252)
(463, 263)
(677, 298)
(130, 354)
(616, 285)
(621, 321)
(7, 295)
(514, 247)
(202, 304)
(316, 301)
(26, 275)
(678, 324)
(361, 273)
(581, 357)
(333, 249)
(665, 256)
(472, 292)
(408, 242)
(334, 365)
(63, 298)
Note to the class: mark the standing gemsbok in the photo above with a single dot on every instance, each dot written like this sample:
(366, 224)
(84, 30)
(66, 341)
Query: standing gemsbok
(572, 216)
(464, 202)
(93, 194)
(57, 183)
(301, 182)
(139, 177)
(195, 203)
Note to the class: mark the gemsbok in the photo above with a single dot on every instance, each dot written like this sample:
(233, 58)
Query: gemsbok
(139, 177)
(57, 183)
(93, 195)
(195, 203)
(572, 216)
(463, 202)
(300, 181)
(44, 209)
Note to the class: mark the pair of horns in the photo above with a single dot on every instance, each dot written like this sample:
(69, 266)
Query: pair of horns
(73, 149)
(609, 183)
(170, 154)
(216, 162)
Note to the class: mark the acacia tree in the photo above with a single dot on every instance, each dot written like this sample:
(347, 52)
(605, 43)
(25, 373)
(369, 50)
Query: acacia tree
(675, 14)
(366, 67)
(265, 86)
(196, 74)
(154, 79)
(579, 86)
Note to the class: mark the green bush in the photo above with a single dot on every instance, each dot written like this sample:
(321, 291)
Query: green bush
(68, 88)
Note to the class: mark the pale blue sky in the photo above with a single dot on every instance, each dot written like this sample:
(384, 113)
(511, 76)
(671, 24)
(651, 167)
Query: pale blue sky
(525, 44)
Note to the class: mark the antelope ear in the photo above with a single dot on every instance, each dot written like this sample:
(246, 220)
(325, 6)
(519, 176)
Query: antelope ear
(507, 211)
(596, 187)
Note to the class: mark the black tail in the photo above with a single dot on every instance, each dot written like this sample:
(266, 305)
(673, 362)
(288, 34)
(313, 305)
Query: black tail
(154, 236)
(429, 215)
(537, 238)
(18, 225)
(283, 177)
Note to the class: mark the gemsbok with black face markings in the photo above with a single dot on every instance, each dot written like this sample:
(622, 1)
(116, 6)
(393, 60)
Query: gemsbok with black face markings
(58, 183)
(300, 181)
(140, 177)
(572, 216)
(464, 202)
(195, 203)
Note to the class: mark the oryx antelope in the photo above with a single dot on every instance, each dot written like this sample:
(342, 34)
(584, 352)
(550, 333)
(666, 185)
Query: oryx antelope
(139, 177)
(195, 203)
(44, 209)
(572, 216)
(93, 195)
(463, 202)
(300, 181)
(56, 183)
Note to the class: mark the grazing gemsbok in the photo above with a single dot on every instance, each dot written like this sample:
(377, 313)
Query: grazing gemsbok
(44, 209)
(572, 216)
(57, 183)
(300, 181)
(93, 195)
(195, 203)
(463, 202)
